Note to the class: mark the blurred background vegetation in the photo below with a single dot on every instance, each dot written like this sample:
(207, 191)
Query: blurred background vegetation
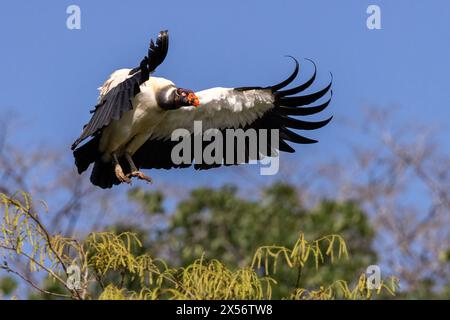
(389, 201)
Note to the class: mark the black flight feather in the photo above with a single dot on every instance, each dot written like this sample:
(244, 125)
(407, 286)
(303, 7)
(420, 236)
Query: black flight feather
(118, 100)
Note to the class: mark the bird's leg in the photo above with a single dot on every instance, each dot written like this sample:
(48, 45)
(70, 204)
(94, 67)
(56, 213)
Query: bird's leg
(134, 171)
(118, 170)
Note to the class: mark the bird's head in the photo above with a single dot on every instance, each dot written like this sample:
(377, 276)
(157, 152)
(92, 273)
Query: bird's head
(186, 97)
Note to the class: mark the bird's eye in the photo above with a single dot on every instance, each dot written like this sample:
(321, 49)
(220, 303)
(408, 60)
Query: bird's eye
(183, 94)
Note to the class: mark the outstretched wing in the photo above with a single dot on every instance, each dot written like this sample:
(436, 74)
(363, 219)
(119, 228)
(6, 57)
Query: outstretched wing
(246, 108)
(117, 92)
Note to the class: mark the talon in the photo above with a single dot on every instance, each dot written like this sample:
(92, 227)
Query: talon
(120, 175)
(141, 176)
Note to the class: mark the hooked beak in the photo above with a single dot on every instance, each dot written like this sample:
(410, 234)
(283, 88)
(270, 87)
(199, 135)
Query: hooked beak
(193, 100)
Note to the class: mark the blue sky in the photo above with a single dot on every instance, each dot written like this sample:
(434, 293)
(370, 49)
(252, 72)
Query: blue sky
(50, 73)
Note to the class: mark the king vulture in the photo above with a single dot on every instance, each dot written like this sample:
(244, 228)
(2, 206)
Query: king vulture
(136, 113)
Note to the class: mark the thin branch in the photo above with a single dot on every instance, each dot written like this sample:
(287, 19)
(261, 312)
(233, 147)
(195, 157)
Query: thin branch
(8, 269)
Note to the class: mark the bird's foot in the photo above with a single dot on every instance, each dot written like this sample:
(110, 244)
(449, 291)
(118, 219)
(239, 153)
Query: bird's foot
(120, 175)
(141, 176)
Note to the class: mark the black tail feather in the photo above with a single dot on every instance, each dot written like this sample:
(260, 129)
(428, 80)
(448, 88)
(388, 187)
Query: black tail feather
(103, 172)
(87, 154)
(103, 175)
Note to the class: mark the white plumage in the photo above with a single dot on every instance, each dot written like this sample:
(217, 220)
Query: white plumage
(136, 126)
(219, 108)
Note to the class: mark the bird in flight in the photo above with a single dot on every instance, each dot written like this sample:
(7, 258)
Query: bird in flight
(136, 114)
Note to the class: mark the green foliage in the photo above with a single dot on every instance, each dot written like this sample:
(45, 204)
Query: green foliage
(151, 200)
(7, 286)
(229, 227)
(211, 279)
(106, 260)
